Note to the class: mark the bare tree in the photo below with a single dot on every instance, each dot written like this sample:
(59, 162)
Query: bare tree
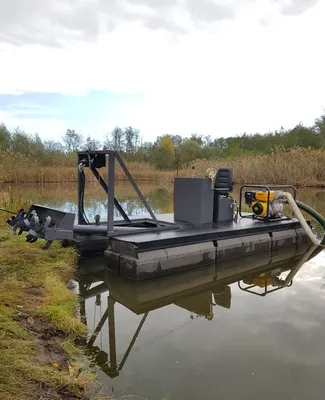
(73, 141)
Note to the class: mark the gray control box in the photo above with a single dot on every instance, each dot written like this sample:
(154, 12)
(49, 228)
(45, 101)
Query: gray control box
(223, 209)
(193, 200)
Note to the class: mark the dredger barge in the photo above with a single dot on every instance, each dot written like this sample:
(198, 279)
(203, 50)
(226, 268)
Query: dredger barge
(208, 224)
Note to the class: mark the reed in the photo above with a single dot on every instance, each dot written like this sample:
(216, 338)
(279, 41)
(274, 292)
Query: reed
(27, 171)
(303, 167)
(298, 166)
(11, 200)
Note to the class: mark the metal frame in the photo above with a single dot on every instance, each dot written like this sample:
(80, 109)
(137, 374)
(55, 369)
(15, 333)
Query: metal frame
(267, 187)
(45, 223)
(266, 291)
(87, 159)
(289, 278)
(112, 366)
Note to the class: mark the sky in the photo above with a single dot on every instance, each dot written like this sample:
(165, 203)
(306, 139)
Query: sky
(213, 67)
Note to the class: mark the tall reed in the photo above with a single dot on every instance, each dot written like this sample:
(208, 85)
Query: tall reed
(297, 166)
(12, 201)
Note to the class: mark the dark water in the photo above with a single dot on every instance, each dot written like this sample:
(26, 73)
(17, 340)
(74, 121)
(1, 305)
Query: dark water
(202, 334)
(209, 340)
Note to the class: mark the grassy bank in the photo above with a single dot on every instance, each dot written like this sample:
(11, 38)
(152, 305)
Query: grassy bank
(39, 324)
(297, 166)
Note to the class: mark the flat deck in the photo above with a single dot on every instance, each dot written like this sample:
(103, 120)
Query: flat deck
(190, 234)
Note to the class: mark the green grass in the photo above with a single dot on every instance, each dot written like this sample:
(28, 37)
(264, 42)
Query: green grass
(22, 372)
(34, 282)
(59, 308)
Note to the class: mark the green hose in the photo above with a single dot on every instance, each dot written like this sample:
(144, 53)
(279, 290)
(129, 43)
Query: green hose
(319, 218)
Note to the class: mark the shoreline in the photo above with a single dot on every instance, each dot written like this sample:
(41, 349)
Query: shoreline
(150, 181)
(41, 353)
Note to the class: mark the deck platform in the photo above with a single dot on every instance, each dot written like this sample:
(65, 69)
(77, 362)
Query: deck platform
(143, 255)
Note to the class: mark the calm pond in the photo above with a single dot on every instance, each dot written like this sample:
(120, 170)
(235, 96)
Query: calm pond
(202, 334)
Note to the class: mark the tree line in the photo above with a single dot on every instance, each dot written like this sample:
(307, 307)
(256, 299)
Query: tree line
(169, 151)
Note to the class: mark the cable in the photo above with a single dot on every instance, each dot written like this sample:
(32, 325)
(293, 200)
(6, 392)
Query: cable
(158, 338)
(8, 211)
(82, 194)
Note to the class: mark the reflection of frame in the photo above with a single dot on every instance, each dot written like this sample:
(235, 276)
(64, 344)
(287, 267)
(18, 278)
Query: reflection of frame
(263, 281)
(222, 298)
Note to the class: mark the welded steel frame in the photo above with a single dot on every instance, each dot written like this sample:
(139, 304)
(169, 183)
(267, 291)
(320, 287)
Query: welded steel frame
(86, 159)
(113, 364)
(268, 189)
(249, 288)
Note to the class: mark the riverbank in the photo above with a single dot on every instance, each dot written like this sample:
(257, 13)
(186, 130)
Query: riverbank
(302, 167)
(39, 325)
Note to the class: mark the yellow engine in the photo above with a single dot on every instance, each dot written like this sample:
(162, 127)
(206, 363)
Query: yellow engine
(258, 204)
(261, 280)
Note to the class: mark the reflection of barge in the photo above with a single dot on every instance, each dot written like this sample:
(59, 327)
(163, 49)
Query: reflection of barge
(204, 228)
(196, 290)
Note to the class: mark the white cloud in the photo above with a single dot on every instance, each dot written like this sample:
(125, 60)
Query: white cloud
(35, 118)
(48, 128)
(295, 7)
(226, 73)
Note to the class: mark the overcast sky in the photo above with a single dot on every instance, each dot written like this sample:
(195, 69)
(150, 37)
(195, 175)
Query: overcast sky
(218, 67)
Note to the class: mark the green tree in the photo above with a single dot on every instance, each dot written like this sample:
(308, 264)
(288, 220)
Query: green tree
(195, 137)
(163, 153)
(302, 136)
(27, 145)
(320, 128)
(4, 137)
(189, 151)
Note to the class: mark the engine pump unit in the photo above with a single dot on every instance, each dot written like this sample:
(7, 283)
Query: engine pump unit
(259, 204)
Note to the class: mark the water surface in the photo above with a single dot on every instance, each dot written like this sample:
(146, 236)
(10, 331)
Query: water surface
(201, 340)
(64, 197)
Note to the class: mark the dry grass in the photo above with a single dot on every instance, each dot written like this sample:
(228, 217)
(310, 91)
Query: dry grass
(35, 173)
(298, 166)
(12, 201)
